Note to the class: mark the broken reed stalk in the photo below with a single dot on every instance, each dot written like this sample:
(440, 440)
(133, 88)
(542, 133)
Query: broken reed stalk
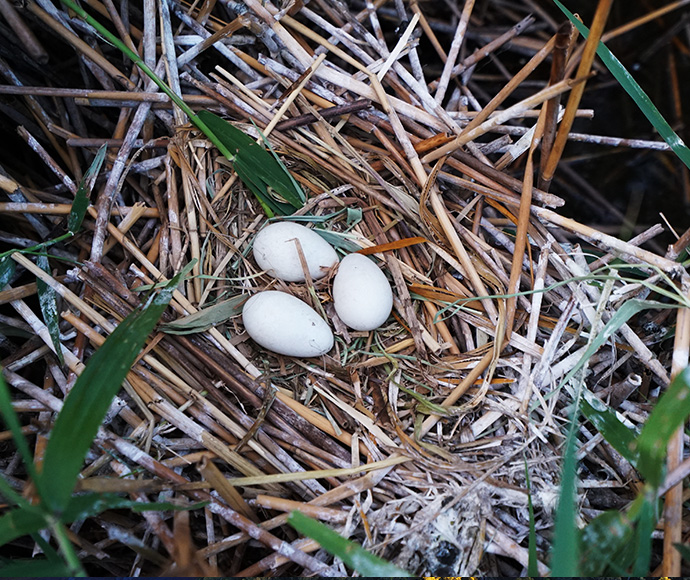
(523, 221)
(673, 499)
(595, 33)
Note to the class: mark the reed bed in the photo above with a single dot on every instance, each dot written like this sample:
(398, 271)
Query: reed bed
(414, 440)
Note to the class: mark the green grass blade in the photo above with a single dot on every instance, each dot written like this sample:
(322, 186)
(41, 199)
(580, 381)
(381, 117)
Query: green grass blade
(89, 399)
(294, 186)
(78, 211)
(81, 199)
(11, 420)
(258, 163)
(48, 550)
(21, 522)
(35, 568)
(566, 541)
(136, 59)
(613, 430)
(621, 316)
(641, 99)
(684, 551)
(353, 555)
(47, 300)
(234, 139)
(670, 412)
(30, 519)
(84, 506)
(11, 496)
(206, 318)
(259, 189)
(337, 240)
(607, 544)
(7, 269)
(532, 566)
(645, 527)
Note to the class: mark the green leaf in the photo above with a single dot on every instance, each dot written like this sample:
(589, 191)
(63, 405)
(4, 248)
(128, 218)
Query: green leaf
(206, 318)
(47, 548)
(612, 429)
(12, 422)
(294, 186)
(47, 300)
(532, 564)
(645, 527)
(566, 542)
(684, 551)
(36, 568)
(7, 492)
(259, 169)
(426, 406)
(30, 519)
(607, 544)
(337, 240)
(91, 504)
(354, 216)
(7, 268)
(81, 199)
(641, 99)
(249, 177)
(670, 412)
(350, 553)
(21, 522)
(621, 316)
(8, 330)
(89, 399)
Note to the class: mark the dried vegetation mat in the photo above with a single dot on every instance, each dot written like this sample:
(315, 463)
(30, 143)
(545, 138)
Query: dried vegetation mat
(425, 134)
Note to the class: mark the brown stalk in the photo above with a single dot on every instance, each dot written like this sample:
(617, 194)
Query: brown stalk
(424, 23)
(637, 22)
(23, 32)
(521, 242)
(232, 497)
(673, 499)
(81, 46)
(557, 74)
(526, 104)
(511, 85)
(596, 30)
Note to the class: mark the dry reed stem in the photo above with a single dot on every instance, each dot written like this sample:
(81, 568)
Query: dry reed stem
(81, 46)
(502, 117)
(673, 499)
(458, 39)
(595, 32)
(523, 222)
(23, 32)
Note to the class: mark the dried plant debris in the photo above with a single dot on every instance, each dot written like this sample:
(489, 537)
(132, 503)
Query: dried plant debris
(471, 150)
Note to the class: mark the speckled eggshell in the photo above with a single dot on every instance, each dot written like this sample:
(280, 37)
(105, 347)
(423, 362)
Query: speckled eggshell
(362, 296)
(281, 323)
(275, 251)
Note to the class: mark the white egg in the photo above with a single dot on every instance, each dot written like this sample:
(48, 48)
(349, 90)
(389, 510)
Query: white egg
(284, 324)
(276, 252)
(362, 295)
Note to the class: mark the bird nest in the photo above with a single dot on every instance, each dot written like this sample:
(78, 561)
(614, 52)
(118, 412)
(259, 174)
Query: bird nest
(425, 135)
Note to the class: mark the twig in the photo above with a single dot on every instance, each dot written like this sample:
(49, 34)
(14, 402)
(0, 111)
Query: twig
(81, 46)
(673, 500)
(455, 46)
(597, 29)
(23, 32)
